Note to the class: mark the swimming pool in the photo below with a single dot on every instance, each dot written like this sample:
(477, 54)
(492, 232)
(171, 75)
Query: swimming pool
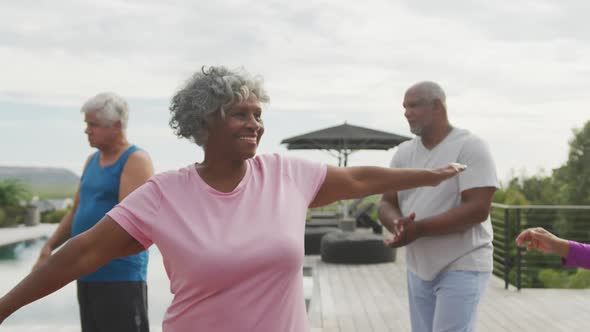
(58, 312)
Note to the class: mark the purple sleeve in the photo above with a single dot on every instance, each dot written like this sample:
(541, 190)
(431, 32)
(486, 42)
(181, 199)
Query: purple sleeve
(579, 255)
(138, 212)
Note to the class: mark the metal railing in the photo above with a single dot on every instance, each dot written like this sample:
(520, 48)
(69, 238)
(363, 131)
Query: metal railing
(515, 265)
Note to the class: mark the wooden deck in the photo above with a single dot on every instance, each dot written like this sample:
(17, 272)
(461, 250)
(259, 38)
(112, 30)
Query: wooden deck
(374, 298)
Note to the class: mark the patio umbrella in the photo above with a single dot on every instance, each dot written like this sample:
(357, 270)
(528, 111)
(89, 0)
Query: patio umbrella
(344, 140)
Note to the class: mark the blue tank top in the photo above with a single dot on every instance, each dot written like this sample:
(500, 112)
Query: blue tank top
(99, 193)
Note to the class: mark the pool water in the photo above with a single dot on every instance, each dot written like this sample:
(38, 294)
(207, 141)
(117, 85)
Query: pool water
(58, 312)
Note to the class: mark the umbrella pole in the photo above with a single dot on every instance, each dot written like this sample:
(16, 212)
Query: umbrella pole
(344, 157)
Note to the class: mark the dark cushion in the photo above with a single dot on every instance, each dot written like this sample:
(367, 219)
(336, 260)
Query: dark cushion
(313, 238)
(323, 215)
(322, 223)
(355, 248)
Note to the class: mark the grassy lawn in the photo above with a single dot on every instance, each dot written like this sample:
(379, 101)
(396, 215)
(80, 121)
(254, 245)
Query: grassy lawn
(53, 191)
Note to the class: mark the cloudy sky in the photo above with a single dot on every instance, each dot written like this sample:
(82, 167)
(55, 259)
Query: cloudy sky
(515, 71)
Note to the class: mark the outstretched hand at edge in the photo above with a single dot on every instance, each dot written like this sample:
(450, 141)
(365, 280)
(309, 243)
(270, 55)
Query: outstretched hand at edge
(540, 239)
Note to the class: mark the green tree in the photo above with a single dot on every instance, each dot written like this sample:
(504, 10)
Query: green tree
(574, 176)
(510, 195)
(13, 192)
(541, 190)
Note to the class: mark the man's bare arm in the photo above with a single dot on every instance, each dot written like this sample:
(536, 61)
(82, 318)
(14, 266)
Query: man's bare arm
(63, 231)
(474, 209)
(389, 210)
(137, 170)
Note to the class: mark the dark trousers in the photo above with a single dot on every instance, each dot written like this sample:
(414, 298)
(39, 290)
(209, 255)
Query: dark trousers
(113, 306)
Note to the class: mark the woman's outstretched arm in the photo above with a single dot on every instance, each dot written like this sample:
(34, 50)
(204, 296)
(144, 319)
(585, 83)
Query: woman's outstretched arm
(81, 255)
(572, 253)
(355, 182)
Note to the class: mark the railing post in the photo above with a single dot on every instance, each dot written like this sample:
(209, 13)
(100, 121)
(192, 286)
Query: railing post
(506, 252)
(518, 253)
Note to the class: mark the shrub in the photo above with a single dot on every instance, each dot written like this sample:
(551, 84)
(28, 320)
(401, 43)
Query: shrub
(581, 279)
(11, 216)
(53, 217)
(553, 279)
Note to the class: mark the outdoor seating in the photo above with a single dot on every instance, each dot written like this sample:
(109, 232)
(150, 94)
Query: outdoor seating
(323, 215)
(364, 219)
(355, 248)
(322, 223)
(316, 228)
(313, 238)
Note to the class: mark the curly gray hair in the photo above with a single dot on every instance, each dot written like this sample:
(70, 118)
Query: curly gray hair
(216, 89)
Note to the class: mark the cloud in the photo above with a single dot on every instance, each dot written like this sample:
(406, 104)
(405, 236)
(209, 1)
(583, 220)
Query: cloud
(532, 20)
(510, 69)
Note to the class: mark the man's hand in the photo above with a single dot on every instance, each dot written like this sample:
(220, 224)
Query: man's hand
(406, 231)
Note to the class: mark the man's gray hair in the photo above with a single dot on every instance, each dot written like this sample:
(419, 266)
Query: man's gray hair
(431, 90)
(109, 108)
(211, 90)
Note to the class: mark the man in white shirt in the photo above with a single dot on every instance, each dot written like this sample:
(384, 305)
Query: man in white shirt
(447, 228)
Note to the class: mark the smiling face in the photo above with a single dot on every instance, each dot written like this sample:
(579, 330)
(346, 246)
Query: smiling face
(238, 134)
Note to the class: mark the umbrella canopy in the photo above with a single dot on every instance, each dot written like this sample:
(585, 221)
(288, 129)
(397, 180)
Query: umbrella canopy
(344, 140)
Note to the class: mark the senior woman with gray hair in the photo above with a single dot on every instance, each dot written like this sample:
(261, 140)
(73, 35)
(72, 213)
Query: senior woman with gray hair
(230, 228)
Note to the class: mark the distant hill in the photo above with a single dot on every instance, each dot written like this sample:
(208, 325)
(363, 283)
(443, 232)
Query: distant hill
(45, 182)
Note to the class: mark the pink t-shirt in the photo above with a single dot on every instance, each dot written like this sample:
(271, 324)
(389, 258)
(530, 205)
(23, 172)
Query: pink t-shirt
(235, 259)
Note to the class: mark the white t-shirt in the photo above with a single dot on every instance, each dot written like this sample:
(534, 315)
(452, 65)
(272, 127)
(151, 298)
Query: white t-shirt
(470, 250)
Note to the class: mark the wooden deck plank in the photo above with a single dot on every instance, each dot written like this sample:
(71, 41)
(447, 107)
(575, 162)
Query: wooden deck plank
(342, 301)
(361, 313)
(374, 298)
(371, 299)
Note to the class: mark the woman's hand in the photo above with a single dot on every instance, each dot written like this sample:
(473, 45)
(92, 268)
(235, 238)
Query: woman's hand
(540, 239)
(448, 171)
